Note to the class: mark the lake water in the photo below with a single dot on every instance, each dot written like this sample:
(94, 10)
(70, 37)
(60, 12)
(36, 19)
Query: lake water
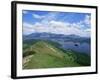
(79, 47)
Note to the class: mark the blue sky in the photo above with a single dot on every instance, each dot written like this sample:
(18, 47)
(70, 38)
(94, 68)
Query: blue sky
(56, 22)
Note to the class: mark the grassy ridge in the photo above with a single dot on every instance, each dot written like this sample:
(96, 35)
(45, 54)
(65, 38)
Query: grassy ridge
(47, 54)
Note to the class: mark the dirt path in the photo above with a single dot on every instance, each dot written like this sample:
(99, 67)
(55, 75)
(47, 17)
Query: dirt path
(27, 59)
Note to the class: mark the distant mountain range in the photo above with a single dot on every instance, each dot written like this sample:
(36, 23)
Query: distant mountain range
(56, 37)
(50, 35)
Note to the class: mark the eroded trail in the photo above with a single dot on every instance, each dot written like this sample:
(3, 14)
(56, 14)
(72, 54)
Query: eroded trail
(26, 59)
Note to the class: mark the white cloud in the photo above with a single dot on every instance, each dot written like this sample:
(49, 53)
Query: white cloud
(49, 24)
(38, 16)
(27, 28)
(25, 12)
(46, 18)
(87, 20)
(56, 27)
(87, 30)
(27, 25)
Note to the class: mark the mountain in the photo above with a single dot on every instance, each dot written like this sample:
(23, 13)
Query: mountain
(44, 34)
(44, 54)
(56, 37)
(65, 41)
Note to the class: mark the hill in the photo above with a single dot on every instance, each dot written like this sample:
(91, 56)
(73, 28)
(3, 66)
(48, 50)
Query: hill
(46, 54)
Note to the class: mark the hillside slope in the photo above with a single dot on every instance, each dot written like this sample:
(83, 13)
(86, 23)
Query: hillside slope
(43, 54)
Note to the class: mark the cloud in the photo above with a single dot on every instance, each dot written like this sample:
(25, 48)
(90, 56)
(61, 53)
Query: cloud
(86, 23)
(87, 20)
(83, 24)
(25, 12)
(27, 25)
(27, 28)
(47, 17)
(50, 24)
(56, 27)
(38, 16)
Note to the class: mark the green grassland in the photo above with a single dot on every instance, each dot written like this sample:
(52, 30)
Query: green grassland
(47, 54)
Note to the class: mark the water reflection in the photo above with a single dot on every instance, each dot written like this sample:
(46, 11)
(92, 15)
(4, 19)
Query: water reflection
(79, 47)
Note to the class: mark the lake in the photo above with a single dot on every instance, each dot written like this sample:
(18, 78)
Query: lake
(78, 47)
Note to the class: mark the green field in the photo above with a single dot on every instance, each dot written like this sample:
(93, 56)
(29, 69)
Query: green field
(47, 54)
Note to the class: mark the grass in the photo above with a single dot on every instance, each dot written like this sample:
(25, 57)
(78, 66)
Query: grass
(47, 54)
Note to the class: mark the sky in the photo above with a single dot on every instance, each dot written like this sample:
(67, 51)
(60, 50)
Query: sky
(66, 23)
